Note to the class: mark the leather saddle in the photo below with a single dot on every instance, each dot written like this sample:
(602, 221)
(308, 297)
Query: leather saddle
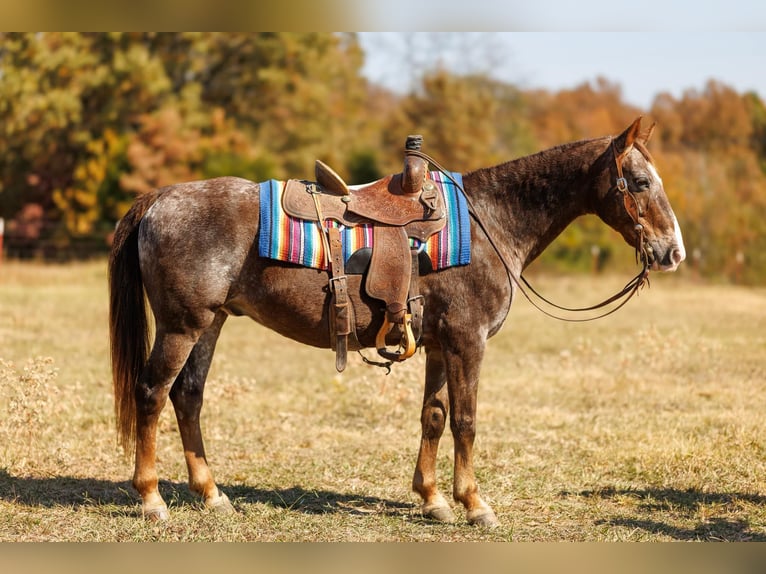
(399, 206)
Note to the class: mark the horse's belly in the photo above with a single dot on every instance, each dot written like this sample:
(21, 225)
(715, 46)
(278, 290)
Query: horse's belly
(295, 302)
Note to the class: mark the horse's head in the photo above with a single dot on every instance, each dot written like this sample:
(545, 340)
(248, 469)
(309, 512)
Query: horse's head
(632, 200)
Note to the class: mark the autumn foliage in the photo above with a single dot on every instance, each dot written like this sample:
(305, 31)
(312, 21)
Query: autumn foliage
(90, 120)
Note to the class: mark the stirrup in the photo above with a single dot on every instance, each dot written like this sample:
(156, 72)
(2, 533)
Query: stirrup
(407, 345)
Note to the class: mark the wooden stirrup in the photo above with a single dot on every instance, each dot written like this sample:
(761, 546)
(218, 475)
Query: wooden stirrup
(408, 344)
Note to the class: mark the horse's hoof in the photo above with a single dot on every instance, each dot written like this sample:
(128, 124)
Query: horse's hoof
(482, 517)
(156, 514)
(439, 512)
(220, 504)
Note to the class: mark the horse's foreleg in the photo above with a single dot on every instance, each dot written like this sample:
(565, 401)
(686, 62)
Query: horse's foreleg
(432, 420)
(463, 382)
(168, 356)
(186, 396)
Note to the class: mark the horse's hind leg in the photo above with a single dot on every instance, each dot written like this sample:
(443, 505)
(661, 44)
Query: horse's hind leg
(186, 396)
(168, 356)
(432, 419)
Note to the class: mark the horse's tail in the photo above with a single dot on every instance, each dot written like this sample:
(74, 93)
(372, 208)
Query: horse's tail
(128, 326)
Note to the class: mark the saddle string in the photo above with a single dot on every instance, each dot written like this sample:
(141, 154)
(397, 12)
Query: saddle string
(630, 289)
(324, 233)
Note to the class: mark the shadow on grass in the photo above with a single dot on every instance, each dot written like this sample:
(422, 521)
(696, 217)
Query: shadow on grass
(686, 503)
(54, 491)
(64, 491)
(317, 501)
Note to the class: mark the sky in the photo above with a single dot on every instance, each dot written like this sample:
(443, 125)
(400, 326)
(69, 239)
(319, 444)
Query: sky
(642, 63)
(645, 46)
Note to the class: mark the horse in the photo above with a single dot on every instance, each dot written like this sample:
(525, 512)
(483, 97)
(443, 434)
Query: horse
(190, 250)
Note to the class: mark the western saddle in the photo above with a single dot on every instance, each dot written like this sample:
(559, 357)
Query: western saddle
(399, 206)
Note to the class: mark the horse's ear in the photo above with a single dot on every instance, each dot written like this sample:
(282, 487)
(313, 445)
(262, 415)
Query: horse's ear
(624, 142)
(644, 138)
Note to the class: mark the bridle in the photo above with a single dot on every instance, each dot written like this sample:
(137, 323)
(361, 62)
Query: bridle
(633, 208)
(642, 249)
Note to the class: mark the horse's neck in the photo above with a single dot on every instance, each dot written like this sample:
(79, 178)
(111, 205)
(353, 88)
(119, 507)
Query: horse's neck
(531, 200)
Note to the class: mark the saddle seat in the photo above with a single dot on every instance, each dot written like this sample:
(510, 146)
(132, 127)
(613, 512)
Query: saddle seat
(398, 207)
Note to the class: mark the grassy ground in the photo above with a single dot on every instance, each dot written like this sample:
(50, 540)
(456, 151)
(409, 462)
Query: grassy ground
(645, 426)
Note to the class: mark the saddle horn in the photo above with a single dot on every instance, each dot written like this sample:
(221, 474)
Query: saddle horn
(415, 168)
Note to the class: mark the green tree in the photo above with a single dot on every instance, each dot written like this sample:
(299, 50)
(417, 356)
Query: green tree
(299, 95)
(65, 102)
(87, 120)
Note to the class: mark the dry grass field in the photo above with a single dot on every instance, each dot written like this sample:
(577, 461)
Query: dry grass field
(645, 426)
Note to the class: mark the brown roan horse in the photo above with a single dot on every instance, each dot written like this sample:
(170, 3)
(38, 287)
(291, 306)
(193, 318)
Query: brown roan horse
(191, 250)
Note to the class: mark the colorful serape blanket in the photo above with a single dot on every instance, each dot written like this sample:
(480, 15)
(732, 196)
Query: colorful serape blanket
(299, 241)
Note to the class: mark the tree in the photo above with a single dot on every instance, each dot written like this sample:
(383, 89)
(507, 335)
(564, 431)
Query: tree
(300, 95)
(87, 120)
(455, 116)
(711, 164)
(583, 112)
(64, 106)
(757, 112)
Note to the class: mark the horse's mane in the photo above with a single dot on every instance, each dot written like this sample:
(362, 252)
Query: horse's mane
(518, 165)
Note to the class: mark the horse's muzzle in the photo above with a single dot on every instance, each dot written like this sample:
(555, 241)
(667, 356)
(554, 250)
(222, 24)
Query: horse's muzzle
(673, 255)
(669, 261)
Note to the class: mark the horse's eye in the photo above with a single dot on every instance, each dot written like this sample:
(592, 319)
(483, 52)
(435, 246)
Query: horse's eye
(642, 184)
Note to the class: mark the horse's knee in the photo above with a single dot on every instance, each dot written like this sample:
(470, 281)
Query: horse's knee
(433, 419)
(463, 426)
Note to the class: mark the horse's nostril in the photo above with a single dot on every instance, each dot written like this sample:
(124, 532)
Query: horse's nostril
(676, 256)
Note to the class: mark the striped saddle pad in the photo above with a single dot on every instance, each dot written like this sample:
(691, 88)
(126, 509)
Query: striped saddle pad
(299, 241)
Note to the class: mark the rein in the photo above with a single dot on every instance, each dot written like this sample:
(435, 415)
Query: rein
(631, 288)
